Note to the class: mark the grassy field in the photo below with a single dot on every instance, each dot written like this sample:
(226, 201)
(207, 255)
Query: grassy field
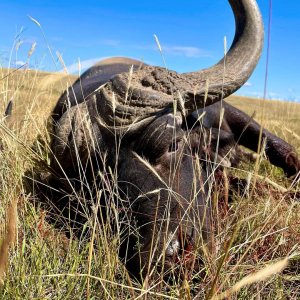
(256, 237)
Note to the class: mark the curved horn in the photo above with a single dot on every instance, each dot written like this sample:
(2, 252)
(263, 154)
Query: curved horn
(152, 90)
(230, 73)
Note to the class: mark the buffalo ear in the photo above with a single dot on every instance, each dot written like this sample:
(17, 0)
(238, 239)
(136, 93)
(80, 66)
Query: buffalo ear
(75, 140)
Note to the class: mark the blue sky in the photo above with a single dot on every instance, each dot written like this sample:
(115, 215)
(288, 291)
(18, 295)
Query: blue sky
(191, 34)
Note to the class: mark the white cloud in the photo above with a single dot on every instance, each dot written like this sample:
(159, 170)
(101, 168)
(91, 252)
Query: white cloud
(247, 84)
(273, 95)
(256, 94)
(82, 64)
(110, 42)
(20, 64)
(270, 95)
(187, 51)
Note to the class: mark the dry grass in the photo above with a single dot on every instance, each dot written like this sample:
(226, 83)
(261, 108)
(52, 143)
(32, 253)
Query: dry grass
(9, 236)
(282, 118)
(259, 229)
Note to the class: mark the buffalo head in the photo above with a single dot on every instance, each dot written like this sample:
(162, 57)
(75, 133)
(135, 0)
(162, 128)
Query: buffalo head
(138, 125)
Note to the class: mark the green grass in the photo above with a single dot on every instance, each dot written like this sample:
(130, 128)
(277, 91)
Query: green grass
(257, 230)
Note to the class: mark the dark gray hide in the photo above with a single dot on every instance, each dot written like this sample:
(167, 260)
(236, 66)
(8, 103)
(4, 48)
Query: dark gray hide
(124, 120)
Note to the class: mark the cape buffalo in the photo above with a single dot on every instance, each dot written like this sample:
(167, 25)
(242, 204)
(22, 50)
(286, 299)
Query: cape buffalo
(156, 135)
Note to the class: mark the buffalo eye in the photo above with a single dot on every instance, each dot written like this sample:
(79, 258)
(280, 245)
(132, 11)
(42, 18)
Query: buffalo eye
(173, 147)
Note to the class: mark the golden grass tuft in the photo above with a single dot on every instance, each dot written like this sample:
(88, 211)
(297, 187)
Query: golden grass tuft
(9, 237)
(259, 276)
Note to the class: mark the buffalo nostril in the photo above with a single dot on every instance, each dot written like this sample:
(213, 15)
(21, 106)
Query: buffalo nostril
(180, 247)
(174, 146)
(173, 246)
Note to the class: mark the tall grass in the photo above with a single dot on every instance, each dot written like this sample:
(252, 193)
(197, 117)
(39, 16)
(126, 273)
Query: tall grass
(254, 237)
